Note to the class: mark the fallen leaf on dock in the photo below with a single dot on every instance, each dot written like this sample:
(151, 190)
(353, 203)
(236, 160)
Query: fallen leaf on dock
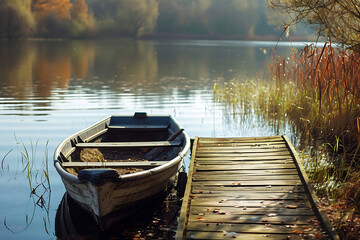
(271, 214)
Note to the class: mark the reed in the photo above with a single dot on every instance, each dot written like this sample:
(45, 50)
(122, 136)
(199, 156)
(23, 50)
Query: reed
(316, 92)
(38, 181)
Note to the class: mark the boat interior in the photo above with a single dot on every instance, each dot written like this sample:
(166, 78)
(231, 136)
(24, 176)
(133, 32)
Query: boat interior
(125, 145)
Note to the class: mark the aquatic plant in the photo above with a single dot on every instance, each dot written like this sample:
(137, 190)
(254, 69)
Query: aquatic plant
(38, 182)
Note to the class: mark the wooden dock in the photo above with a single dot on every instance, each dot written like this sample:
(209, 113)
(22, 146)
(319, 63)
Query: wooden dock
(249, 188)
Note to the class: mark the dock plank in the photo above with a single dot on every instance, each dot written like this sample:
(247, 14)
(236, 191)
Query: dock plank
(252, 195)
(247, 236)
(257, 203)
(249, 228)
(253, 219)
(201, 211)
(267, 188)
(243, 177)
(259, 172)
(249, 188)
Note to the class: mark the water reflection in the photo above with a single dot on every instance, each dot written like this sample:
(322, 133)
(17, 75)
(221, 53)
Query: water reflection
(152, 220)
(51, 89)
(34, 69)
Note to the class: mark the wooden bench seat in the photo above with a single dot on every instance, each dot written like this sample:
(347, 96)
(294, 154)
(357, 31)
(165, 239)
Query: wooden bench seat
(139, 128)
(129, 144)
(140, 164)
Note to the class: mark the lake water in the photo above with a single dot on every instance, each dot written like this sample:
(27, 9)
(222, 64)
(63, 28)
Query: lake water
(51, 89)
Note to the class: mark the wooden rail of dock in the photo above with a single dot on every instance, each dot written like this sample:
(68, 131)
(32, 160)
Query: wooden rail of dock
(249, 188)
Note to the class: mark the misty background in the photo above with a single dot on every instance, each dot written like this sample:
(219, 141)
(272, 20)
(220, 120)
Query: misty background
(208, 19)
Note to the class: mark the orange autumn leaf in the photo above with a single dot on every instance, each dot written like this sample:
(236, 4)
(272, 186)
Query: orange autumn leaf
(297, 231)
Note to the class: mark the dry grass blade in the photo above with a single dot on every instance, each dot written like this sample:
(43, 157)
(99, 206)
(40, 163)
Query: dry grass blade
(3, 160)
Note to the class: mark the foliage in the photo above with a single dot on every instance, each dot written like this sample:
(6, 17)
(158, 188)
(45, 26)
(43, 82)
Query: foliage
(83, 18)
(233, 17)
(137, 16)
(79, 11)
(15, 21)
(329, 79)
(339, 20)
(61, 8)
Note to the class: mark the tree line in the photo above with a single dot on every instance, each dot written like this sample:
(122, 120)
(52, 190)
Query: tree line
(133, 18)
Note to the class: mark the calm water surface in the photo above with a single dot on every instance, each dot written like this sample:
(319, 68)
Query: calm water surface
(51, 89)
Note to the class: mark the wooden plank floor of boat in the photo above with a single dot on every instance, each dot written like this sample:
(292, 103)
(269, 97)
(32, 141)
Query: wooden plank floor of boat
(249, 188)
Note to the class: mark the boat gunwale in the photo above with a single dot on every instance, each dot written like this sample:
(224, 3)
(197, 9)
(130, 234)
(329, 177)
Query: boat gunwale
(126, 177)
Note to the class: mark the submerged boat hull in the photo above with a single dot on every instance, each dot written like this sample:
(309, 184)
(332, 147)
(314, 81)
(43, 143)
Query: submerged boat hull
(104, 196)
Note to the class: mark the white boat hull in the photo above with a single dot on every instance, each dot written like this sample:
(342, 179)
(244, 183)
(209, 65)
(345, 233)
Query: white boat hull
(113, 196)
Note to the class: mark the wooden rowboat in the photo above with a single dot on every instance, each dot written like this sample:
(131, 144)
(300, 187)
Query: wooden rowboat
(120, 161)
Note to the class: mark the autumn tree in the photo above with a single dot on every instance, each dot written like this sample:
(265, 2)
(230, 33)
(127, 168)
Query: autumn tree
(61, 8)
(338, 20)
(16, 19)
(229, 17)
(137, 16)
(79, 11)
(192, 16)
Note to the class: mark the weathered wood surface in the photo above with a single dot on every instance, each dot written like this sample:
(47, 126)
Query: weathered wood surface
(143, 164)
(139, 128)
(129, 144)
(249, 188)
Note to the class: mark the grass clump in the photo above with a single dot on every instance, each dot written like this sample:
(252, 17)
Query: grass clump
(316, 92)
